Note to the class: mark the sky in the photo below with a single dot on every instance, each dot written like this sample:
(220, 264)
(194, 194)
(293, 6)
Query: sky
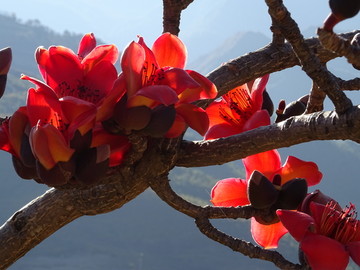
(205, 24)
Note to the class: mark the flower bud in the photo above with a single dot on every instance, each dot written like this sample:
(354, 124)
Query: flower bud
(292, 193)
(162, 118)
(57, 176)
(22, 170)
(261, 192)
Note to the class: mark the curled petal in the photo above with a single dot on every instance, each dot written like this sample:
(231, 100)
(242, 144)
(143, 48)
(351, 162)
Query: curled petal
(170, 51)
(230, 192)
(48, 145)
(178, 79)
(257, 90)
(86, 45)
(324, 253)
(267, 236)
(266, 163)
(221, 130)
(207, 89)
(107, 53)
(194, 116)
(162, 94)
(297, 223)
(297, 168)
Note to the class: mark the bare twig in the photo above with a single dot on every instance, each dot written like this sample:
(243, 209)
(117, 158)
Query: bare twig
(315, 69)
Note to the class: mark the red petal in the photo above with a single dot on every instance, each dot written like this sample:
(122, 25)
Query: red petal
(59, 66)
(107, 104)
(178, 80)
(159, 93)
(297, 168)
(324, 253)
(150, 64)
(80, 113)
(267, 163)
(297, 223)
(354, 250)
(267, 236)
(170, 51)
(87, 44)
(222, 130)
(99, 81)
(132, 63)
(177, 128)
(216, 110)
(194, 116)
(230, 192)
(101, 53)
(43, 104)
(257, 90)
(207, 90)
(258, 119)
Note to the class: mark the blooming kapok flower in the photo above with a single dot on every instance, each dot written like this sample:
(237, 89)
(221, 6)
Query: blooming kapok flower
(79, 92)
(234, 191)
(155, 78)
(327, 236)
(235, 110)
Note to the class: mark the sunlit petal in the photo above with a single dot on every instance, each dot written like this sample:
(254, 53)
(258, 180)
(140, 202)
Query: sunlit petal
(194, 116)
(297, 168)
(170, 51)
(267, 236)
(230, 192)
(266, 163)
(86, 45)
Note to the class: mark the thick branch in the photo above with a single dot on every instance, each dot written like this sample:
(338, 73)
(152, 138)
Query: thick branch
(172, 14)
(310, 127)
(48, 213)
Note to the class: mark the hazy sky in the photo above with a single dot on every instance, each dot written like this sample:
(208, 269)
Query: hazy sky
(207, 22)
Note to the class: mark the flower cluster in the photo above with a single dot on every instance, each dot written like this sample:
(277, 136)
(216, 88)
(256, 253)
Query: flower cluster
(328, 235)
(77, 120)
(159, 91)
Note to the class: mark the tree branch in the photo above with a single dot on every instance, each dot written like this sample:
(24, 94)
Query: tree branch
(310, 127)
(172, 13)
(244, 247)
(309, 62)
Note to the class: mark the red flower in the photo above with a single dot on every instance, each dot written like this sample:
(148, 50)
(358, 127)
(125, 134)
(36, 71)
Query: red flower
(58, 122)
(156, 77)
(235, 192)
(328, 236)
(242, 105)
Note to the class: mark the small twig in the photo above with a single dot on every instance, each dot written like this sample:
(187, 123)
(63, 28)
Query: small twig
(309, 62)
(244, 247)
(316, 100)
(339, 45)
